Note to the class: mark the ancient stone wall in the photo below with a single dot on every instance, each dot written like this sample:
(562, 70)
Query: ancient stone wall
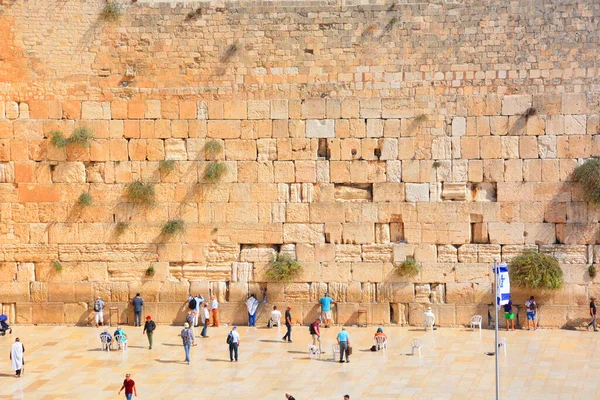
(353, 136)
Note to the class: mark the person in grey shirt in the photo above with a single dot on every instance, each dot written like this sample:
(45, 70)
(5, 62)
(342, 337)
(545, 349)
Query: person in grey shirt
(138, 303)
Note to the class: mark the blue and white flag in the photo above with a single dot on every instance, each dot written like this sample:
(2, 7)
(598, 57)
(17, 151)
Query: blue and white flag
(503, 291)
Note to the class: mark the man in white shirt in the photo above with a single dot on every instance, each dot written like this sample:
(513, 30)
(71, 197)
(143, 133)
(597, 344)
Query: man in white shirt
(206, 320)
(233, 340)
(428, 315)
(275, 317)
(215, 311)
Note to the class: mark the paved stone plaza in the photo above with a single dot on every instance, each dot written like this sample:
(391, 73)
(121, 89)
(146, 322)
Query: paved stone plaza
(66, 362)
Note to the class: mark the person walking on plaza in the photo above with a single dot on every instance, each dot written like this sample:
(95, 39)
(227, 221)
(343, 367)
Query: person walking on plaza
(315, 331)
(289, 396)
(137, 303)
(346, 397)
(214, 306)
(149, 328)
(99, 310)
(252, 305)
(509, 316)
(343, 339)
(326, 302)
(531, 313)
(288, 325)
(233, 340)
(16, 356)
(188, 340)
(592, 314)
(206, 318)
(129, 386)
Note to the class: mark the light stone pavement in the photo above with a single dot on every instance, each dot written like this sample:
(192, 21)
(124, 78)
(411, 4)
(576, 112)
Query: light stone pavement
(66, 362)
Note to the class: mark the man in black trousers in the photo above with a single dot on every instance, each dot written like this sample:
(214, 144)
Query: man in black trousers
(288, 325)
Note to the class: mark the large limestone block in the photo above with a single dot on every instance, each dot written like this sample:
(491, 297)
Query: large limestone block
(324, 128)
(516, 104)
(48, 314)
(174, 291)
(69, 172)
(297, 292)
(416, 192)
(567, 253)
(242, 272)
(454, 191)
(108, 252)
(346, 314)
(28, 252)
(336, 271)
(23, 313)
(395, 292)
(377, 253)
(303, 233)
(358, 233)
(399, 314)
(316, 291)
(447, 254)
(574, 233)
(488, 253)
(388, 192)
(367, 272)
(275, 292)
(14, 292)
(78, 313)
(70, 292)
(238, 292)
(506, 233)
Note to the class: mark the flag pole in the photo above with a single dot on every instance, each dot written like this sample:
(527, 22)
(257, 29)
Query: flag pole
(496, 302)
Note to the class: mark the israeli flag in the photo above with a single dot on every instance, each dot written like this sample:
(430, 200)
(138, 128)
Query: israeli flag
(503, 292)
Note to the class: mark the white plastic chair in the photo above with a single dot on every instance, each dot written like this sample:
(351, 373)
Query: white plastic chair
(275, 319)
(380, 343)
(416, 344)
(313, 352)
(429, 321)
(502, 343)
(104, 339)
(121, 342)
(476, 321)
(336, 350)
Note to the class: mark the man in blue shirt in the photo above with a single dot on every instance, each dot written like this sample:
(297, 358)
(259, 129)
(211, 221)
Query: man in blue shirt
(326, 308)
(343, 339)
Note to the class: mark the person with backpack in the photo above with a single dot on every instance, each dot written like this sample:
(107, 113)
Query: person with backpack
(315, 331)
(99, 310)
(188, 340)
(149, 328)
(233, 340)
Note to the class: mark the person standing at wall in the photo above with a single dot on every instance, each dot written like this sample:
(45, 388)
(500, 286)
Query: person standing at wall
(509, 316)
(188, 340)
(531, 313)
(288, 325)
(99, 310)
(252, 305)
(592, 314)
(137, 303)
(233, 340)
(129, 386)
(326, 302)
(149, 328)
(214, 305)
(206, 318)
(17, 356)
(199, 300)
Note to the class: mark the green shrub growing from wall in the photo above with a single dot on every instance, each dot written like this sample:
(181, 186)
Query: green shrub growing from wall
(283, 268)
(534, 270)
(588, 176)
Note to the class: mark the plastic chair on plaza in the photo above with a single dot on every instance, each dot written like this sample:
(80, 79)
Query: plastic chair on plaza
(313, 352)
(275, 319)
(416, 344)
(502, 343)
(106, 341)
(120, 342)
(336, 350)
(429, 321)
(476, 321)
(381, 343)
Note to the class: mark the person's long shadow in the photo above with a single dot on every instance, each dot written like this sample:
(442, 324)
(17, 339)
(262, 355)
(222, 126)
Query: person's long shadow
(169, 361)
(272, 341)
(217, 360)
(171, 344)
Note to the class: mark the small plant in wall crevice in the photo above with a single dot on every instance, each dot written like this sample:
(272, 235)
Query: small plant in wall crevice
(140, 192)
(408, 267)
(166, 166)
(120, 228)
(534, 270)
(85, 199)
(150, 271)
(81, 137)
(592, 271)
(212, 149)
(214, 171)
(58, 267)
(283, 268)
(112, 11)
(173, 227)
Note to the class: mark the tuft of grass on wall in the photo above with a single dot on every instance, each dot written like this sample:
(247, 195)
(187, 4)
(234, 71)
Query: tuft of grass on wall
(592, 271)
(534, 270)
(150, 271)
(112, 11)
(85, 199)
(58, 267)
(283, 268)
(421, 118)
(409, 267)
(166, 166)
(82, 137)
(436, 164)
(213, 148)
(140, 192)
(120, 228)
(173, 227)
(58, 140)
(214, 171)
(588, 176)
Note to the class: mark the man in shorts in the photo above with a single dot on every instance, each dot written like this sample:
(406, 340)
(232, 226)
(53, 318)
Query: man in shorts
(509, 316)
(325, 302)
(531, 312)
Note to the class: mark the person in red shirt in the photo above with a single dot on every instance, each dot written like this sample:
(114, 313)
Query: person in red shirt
(129, 386)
